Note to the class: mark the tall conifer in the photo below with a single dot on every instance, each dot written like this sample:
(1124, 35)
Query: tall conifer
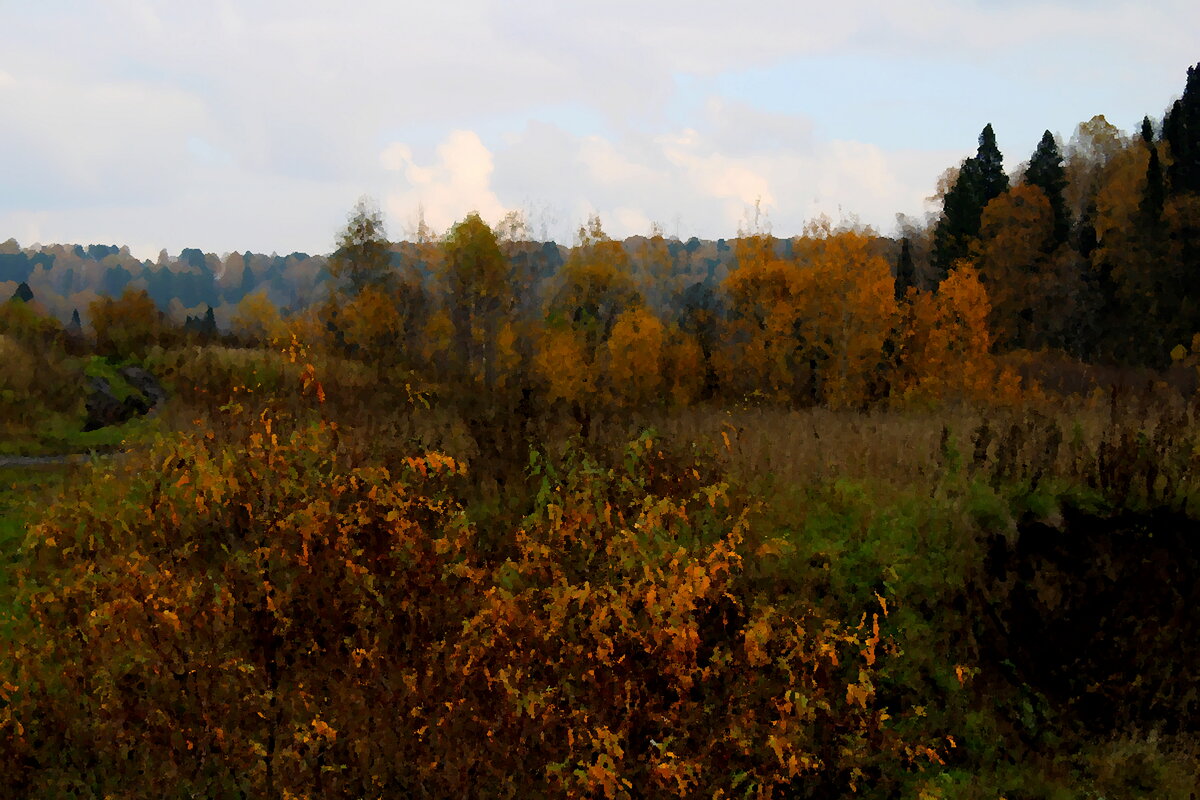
(1181, 129)
(981, 180)
(1047, 173)
(906, 273)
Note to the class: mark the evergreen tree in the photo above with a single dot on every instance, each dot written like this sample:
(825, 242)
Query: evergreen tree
(981, 180)
(206, 326)
(23, 293)
(993, 181)
(906, 272)
(76, 325)
(1181, 129)
(1154, 196)
(1047, 173)
(1147, 130)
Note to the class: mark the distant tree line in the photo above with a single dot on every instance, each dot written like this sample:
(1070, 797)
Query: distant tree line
(1088, 249)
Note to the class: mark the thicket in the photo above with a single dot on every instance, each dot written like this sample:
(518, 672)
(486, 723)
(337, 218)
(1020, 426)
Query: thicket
(255, 614)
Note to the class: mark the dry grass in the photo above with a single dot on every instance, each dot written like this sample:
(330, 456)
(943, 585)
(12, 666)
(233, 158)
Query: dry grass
(915, 447)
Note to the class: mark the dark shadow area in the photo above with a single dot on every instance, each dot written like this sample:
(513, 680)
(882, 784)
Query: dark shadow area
(1100, 615)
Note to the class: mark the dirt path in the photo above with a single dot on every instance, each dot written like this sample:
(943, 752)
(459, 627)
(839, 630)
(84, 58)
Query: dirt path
(56, 460)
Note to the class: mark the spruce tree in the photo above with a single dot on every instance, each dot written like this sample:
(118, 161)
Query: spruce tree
(210, 322)
(980, 180)
(1181, 129)
(906, 273)
(249, 281)
(23, 293)
(993, 181)
(1154, 196)
(1046, 172)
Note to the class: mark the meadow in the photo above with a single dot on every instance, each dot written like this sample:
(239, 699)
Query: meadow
(295, 588)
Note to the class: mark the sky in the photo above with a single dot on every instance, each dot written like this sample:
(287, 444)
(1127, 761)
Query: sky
(258, 124)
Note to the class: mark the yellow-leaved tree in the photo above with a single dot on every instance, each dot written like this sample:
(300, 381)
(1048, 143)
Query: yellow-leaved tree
(128, 326)
(634, 358)
(562, 364)
(479, 299)
(846, 308)
(758, 348)
(683, 366)
(947, 354)
(257, 320)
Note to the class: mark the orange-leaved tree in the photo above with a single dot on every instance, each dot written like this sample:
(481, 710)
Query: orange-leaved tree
(846, 309)
(759, 348)
(634, 358)
(947, 351)
(128, 326)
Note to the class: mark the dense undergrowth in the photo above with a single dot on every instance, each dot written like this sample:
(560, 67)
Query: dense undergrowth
(303, 593)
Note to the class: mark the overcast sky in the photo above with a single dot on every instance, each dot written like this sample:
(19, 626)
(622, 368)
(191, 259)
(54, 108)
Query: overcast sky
(257, 124)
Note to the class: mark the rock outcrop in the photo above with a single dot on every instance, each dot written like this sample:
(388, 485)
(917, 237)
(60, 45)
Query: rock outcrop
(105, 408)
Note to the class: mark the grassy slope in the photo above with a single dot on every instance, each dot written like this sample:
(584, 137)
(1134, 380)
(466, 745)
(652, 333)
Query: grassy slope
(57, 433)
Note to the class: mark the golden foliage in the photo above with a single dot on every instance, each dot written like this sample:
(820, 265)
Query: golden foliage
(948, 351)
(258, 320)
(127, 326)
(563, 364)
(635, 351)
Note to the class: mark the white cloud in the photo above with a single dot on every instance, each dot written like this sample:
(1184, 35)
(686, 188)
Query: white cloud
(235, 125)
(716, 175)
(458, 183)
(684, 175)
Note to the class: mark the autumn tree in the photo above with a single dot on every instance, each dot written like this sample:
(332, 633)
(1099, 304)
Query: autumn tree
(812, 328)
(478, 297)
(34, 378)
(597, 283)
(1033, 285)
(257, 321)
(1093, 155)
(478, 328)
(363, 254)
(846, 310)
(633, 358)
(758, 351)
(687, 371)
(594, 288)
(127, 326)
(948, 352)
(563, 363)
